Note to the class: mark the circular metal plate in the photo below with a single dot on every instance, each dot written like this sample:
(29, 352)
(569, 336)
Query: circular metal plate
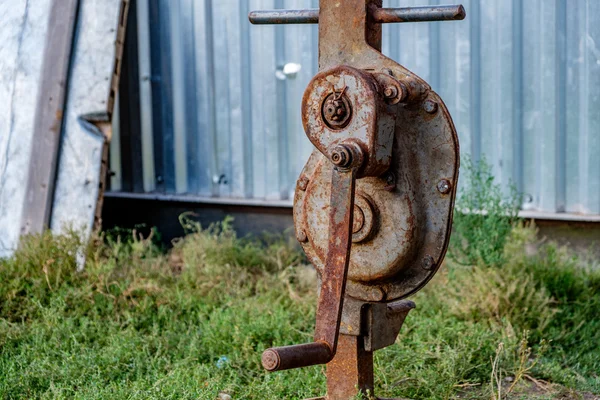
(402, 218)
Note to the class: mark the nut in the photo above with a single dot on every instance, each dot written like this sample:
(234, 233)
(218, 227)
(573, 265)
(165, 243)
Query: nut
(336, 110)
(341, 156)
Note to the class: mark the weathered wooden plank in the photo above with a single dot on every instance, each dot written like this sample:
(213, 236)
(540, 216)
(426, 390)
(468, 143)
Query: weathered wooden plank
(49, 116)
(92, 88)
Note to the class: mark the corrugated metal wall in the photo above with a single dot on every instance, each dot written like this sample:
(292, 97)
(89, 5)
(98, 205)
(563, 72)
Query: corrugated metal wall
(219, 119)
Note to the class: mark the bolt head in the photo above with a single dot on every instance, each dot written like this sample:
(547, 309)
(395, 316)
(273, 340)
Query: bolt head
(444, 186)
(428, 263)
(301, 236)
(430, 106)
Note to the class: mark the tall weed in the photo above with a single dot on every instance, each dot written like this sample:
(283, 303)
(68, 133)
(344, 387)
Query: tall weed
(483, 218)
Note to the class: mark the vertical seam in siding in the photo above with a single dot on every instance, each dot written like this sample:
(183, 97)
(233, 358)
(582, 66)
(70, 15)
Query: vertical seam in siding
(475, 65)
(246, 101)
(561, 89)
(517, 39)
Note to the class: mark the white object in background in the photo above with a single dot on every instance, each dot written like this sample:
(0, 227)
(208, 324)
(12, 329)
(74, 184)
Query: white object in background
(289, 70)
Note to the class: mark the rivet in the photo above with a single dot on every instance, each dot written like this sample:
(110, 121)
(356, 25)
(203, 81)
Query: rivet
(301, 236)
(428, 263)
(380, 296)
(303, 183)
(430, 106)
(444, 186)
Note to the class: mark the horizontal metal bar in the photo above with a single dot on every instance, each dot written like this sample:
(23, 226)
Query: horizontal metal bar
(267, 17)
(380, 15)
(419, 14)
(296, 356)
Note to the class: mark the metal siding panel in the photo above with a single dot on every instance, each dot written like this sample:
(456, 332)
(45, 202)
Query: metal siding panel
(178, 75)
(475, 83)
(560, 111)
(115, 150)
(239, 108)
(206, 152)
(517, 94)
(573, 71)
(162, 99)
(299, 49)
(496, 88)
(414, 42)
(143, 24)
(247, 99)
(520, 78)
(546, 93)
(590, 141)
(281, 111)
(265, 140)
(222, 64)
(454, 71)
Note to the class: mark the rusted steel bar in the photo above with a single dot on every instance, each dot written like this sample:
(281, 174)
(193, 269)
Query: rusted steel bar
(379, 15)
(350, 373)
(418, 14)
(333, 285)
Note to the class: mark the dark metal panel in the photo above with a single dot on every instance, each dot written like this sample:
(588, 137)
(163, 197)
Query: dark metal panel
(129, 112)
(162, 97)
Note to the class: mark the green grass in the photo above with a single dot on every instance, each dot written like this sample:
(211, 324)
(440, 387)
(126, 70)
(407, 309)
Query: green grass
(190, 323)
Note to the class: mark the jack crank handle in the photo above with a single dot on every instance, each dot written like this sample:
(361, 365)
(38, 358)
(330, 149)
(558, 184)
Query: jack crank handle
(347, 159)
(296, 356)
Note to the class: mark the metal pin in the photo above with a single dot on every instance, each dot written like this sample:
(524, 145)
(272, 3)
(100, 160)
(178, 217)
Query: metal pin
(379, 15)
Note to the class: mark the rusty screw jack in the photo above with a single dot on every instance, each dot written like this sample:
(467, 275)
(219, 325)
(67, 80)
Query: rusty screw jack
(370, 194)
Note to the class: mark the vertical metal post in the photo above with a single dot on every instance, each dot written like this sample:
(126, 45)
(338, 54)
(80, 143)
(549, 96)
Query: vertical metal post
(351, 371)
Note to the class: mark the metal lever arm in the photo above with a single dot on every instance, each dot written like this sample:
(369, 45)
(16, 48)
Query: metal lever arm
(333, 283)
(379, 15)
